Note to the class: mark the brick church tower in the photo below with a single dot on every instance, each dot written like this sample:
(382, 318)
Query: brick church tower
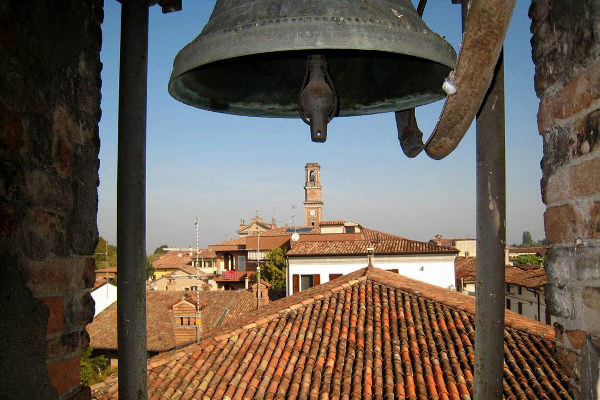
(313, 203)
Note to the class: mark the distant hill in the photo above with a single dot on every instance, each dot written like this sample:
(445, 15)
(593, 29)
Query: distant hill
(102, 260)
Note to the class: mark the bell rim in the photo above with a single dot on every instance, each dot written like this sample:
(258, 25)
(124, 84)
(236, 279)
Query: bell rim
(308, 36)
(252, 39)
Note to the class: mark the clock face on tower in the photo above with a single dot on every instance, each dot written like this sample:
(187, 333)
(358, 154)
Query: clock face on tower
(312, 213)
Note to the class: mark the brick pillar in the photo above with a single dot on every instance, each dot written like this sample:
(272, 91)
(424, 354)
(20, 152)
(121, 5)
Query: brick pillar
(49, 112)
(264, 292)
(566, 53)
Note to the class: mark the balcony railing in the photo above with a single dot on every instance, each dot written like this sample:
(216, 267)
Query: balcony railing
(233, 275)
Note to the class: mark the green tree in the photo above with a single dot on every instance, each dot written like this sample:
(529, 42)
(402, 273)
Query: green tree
(273, 270)
(91, 367)
(160, 250)
(527, 240)
(528, 259)
(149, 268)
(105, 254)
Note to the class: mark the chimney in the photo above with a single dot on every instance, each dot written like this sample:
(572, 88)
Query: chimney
(246, 282)
(371, 255)
(263, 298)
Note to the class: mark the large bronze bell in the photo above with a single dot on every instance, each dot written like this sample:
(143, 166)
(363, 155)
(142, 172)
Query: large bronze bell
(312, 58)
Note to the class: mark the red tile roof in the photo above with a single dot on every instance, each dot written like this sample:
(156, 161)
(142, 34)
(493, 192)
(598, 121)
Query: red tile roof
(338, 222)
(359, 247)
(369, 334)
(531, 276)
(215, 305)
(176, 259)
(529, 250)
(159, 323)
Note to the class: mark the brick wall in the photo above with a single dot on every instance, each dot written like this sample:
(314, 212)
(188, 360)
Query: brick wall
(49, 112)
(566, 53)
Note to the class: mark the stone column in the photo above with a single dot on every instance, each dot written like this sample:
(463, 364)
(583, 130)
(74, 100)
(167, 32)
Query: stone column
(566, 53)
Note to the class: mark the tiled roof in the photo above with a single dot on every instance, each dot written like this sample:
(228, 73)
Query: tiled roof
(359, 247)
(369, 334)
(338, 222)
(100, 281)
(375, 236)
(176, 259)
(464, 268)
(173, 260)
(531, 276)
(287, 231)
(221, 305)
(159, 323)
(216, 307)
(528, 250)
(233, 242)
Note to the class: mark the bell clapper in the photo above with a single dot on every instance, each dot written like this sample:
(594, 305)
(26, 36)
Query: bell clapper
(318, 100)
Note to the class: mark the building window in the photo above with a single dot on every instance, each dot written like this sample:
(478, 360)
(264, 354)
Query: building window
(241, 263)
(350, 229)
(508, 304)
(520, 308)
(519, 289)
(508, 288)
(306, 281)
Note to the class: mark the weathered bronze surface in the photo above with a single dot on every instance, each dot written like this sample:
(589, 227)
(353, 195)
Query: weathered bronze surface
(250, 57)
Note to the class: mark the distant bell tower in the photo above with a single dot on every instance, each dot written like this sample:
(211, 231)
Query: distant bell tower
(313, 203)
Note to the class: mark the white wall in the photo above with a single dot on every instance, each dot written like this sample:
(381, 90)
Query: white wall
(529, 302)
(435, 269)
(104, 296)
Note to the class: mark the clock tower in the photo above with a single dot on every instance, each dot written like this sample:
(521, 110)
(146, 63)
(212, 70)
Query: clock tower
(313, 203)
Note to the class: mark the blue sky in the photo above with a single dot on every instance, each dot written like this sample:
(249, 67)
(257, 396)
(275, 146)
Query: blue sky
(223, 168)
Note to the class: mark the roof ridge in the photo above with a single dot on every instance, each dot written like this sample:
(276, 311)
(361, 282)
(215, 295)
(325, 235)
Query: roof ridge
(457, 300)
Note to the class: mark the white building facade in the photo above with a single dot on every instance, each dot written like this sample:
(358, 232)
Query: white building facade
(312, 270)
(104, 296)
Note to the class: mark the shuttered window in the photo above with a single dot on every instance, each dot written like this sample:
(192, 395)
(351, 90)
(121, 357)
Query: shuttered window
(296, 283)
(334, 276)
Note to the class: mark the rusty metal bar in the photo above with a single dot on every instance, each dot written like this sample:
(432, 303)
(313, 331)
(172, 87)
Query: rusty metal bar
(491, 241)
(131, 201)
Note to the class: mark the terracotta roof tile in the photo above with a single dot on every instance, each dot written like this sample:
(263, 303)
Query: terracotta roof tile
(369, 334)
(159, 323)
(531, 276)
(177, 259)
(216, 307)
(359, 247)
